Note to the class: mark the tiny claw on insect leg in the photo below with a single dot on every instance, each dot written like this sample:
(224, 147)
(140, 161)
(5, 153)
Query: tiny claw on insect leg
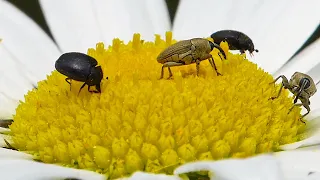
(300, 119)
(272, 98)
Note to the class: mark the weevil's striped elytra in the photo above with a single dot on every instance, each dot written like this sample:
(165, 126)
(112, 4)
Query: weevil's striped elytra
(301, 86)
(187, 52)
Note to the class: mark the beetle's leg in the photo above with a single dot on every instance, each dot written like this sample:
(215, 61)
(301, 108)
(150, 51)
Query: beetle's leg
(169, 64)
(211, 61)
(69, 82)
(93, 91)
(242, 51)
(81, 87)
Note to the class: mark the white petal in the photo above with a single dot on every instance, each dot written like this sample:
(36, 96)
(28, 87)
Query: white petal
(200, 18)
(298, 164)
(72, 23)
(4, 130)
(287, 33)
(121, 18)
(7, 106)
(312, 54)
(16, 81)
(304, 62)
(150, 176)
(30, 170)
(12, 154)
(312, 131)
(31, 49)
(258, 167)
(2, 138)
(277, 28)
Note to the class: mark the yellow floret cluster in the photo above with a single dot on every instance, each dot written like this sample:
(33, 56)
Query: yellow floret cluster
(139, 122)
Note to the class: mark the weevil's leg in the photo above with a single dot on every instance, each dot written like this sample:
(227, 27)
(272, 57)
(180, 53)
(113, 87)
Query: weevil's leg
(81, 87)
(170, 73)
(274, 97)
(213, 65)
(295, 105)
(219, 55)
(305, 103)
(285, 81)
(308, 111)
(162, 72)
(197, 66)
(68, 80)
(285, 84)
(296, 97)
(242, 51)
(169, 64)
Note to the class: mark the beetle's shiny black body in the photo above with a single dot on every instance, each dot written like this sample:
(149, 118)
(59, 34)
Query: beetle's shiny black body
(236, 40)
(80, 67)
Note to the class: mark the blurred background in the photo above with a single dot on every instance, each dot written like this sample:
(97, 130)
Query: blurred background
(33, 10)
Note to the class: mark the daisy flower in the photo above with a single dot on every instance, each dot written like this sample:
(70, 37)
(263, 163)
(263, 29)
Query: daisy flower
(140, 127)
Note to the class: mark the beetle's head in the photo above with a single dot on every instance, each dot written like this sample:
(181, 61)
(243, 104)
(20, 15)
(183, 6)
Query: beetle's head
(95, 76)
(251, 47)
(246, 43)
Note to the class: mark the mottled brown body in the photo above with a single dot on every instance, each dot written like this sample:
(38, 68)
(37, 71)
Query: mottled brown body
(187, 52)
(301, 86)
(295, 80)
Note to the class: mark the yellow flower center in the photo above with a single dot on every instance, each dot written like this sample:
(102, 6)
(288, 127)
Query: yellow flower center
(139, 122)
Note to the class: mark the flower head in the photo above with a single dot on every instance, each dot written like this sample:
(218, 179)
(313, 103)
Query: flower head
(141, 123)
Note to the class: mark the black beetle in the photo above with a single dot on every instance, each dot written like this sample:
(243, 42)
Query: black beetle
(80, 67)
(236, 40)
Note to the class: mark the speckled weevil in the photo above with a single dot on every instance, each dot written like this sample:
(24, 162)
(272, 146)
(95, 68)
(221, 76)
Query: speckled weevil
(187, 52)
(301, 86)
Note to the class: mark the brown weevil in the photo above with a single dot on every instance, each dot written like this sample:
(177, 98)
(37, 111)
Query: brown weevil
(236, 40)
(301, 86)
(187, 52)
(80, 67)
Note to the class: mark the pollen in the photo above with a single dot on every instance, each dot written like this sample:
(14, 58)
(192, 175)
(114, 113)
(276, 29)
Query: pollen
(142, 123)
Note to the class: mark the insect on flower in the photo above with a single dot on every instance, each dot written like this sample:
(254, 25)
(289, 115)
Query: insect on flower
(236, 40)
(80, 67)
(302, 86)
(187, 52)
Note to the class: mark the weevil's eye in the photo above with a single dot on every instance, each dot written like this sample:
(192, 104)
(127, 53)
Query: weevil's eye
(305, 82)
